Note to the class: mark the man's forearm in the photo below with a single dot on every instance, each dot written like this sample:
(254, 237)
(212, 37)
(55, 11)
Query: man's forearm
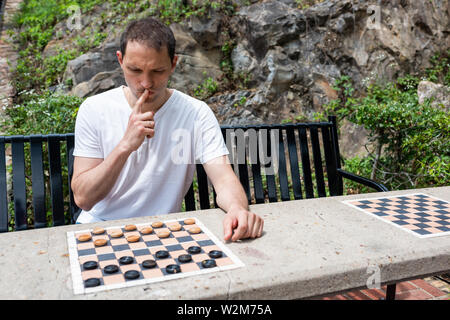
(232, 195)
(92, 185)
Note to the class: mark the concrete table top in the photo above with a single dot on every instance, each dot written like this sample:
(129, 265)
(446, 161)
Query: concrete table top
(309, 248)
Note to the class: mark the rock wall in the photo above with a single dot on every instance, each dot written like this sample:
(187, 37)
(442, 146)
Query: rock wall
(294, 56)
(290, 58)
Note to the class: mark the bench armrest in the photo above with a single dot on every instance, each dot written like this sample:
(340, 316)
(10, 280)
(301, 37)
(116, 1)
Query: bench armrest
(367, 182)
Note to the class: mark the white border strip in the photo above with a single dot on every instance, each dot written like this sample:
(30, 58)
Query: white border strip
(78, 283)
(422, 236)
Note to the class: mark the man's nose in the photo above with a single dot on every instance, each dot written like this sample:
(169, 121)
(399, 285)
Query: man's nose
(147, 82)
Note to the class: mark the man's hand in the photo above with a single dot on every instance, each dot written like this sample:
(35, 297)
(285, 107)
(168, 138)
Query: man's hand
(245, 224)
(232, 199)
(140, 125)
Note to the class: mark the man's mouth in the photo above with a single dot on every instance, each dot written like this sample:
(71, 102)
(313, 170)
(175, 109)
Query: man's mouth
(142, 92)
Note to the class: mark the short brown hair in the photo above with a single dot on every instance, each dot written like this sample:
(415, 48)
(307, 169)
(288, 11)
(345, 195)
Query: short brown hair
(150, 32)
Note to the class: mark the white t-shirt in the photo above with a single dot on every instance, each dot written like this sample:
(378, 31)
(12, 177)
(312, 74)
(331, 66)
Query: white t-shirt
(156, 177)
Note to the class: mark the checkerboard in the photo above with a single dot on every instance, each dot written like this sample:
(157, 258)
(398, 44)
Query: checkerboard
(176, 244)
(419, 214)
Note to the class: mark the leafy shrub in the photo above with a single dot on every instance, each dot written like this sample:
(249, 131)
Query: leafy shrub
(41, 114)
(440, 70)
(412, 139)
(206, 89)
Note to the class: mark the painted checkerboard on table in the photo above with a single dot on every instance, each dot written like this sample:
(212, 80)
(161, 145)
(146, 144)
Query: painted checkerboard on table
(176, 244)
(419, 214)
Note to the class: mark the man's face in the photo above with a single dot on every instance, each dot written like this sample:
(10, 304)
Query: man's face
(146, 68)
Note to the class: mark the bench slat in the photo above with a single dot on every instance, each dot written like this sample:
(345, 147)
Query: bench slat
(203, 189)
(243, 178)
(3, 188)
(18, 180)
(256, 173)
(189, 199)
(318, 167)
(269, 169)
(282, 174)
(306, 165)
(293, 161)
(336, 153)
(56, 185)
(330, 161)
(38, 182)
(70, 145)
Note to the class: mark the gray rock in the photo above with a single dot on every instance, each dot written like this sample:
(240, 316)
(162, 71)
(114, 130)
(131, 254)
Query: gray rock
(268, 24)
(206, 29)
(243, 61)
(101, 82)
(233, 108)
(86, 66)
(279, 71)
(195, 63)
(439, 94)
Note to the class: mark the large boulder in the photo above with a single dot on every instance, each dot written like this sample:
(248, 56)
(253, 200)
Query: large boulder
(99, 83)
(85, 67)
(195, 63)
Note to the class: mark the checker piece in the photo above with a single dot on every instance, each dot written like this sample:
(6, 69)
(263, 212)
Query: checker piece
(132, 274)
(92, 282)
(194, 249)
(90, 265)
(162, 254)
(184, 258)
(126, 260)
(111, 268)
(149, 264)
(209, 263)
(215, 254)
(173, 268)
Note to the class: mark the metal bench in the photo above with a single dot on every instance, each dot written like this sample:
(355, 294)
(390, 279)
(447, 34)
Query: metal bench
(273, 162)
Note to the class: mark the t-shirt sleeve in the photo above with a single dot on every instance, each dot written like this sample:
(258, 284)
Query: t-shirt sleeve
(87, 138)
(209, 142)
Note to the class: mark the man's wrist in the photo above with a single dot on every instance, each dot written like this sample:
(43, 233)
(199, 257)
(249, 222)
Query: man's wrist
(237, 207)
(124, 149)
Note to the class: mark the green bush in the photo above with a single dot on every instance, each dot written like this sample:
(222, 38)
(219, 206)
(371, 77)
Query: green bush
(41, 114)
(412, 140)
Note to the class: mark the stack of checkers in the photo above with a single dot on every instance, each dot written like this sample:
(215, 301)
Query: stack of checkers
(114, 257)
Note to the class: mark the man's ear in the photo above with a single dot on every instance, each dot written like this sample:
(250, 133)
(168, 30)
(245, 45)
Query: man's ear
(174, 63)
(119, 57)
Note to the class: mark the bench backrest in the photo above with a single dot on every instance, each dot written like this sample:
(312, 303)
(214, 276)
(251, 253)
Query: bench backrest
(37, 158)
(277, 163)
(273, 163)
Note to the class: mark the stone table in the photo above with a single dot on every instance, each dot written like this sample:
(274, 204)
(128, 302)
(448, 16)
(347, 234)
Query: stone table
(309, 248)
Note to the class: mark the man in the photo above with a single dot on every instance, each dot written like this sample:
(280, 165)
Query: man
(124, 142)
